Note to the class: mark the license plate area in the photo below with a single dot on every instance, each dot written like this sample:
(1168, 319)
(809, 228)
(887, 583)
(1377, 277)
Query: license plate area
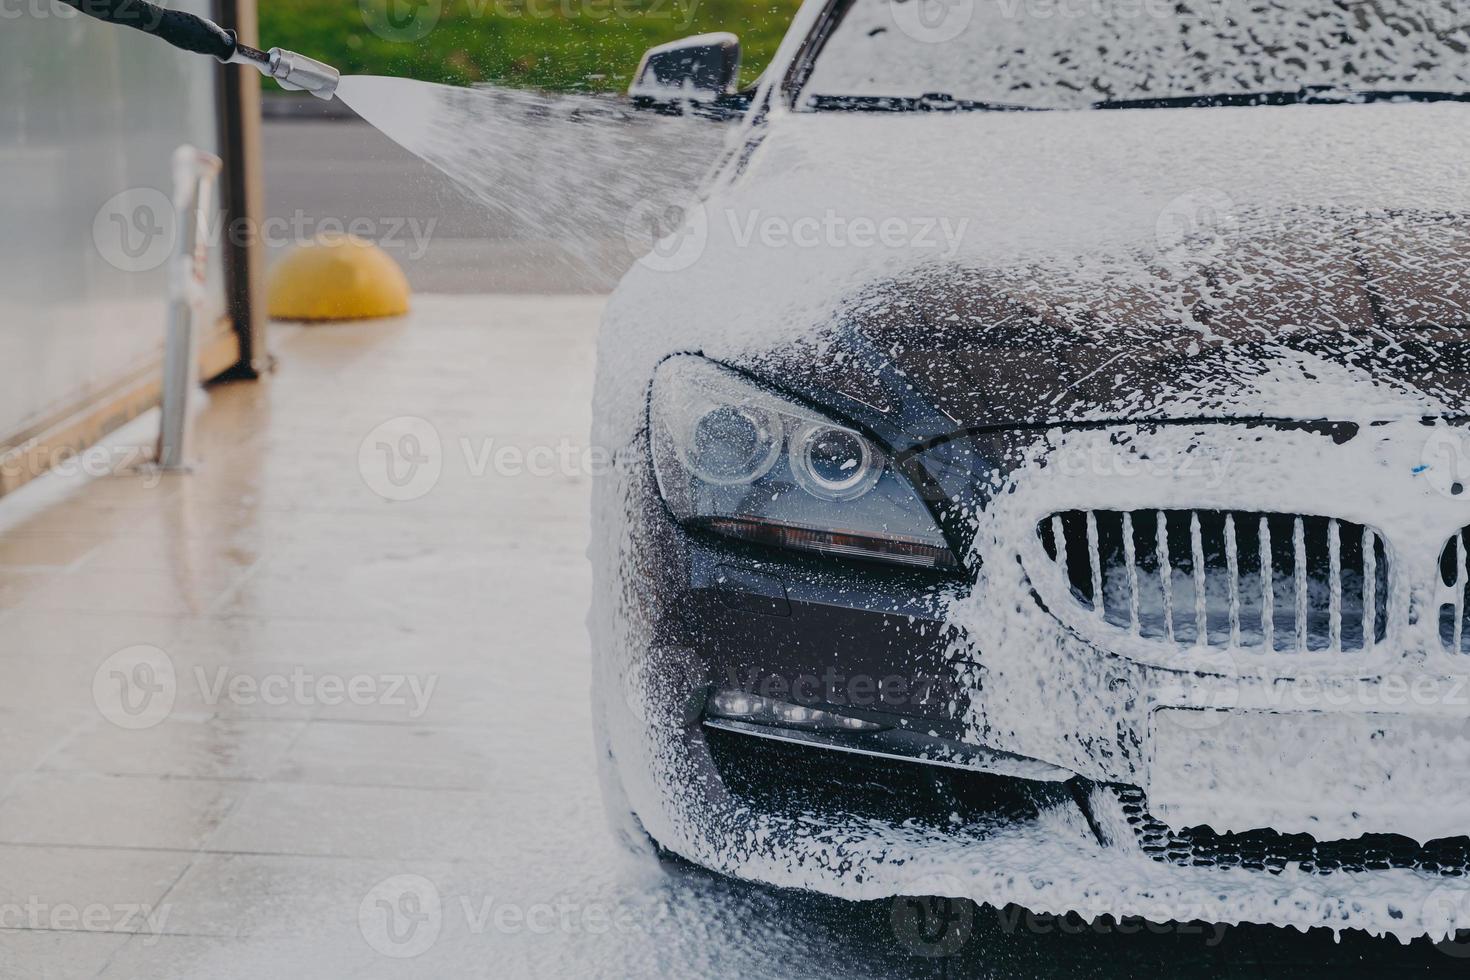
(1333, 775)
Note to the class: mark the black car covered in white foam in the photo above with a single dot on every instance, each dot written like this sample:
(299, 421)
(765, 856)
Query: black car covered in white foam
(1040, 465)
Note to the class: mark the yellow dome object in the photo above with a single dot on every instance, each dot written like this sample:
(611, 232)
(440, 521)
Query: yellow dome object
(336, 277)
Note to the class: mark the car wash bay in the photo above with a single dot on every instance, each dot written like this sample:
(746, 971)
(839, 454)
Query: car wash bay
(376, 757)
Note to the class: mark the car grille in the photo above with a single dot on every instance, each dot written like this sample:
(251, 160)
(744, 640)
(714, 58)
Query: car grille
(1280, 582)
(1456, 605)
(1268, 850)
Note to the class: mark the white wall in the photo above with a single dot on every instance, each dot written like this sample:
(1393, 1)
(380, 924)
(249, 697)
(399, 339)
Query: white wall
(87, 111)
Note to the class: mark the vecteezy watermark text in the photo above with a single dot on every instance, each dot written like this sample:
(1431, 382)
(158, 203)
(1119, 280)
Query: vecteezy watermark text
(404, 458)
(139, 686)
(943, 923)
(404, 915)
(135, 230)
(143, 16)
(409, 21)
(833, 230)
(130, 917)
(33, 458)
(941, 21)
(669, 236)
(834, 688)
(1100, 458)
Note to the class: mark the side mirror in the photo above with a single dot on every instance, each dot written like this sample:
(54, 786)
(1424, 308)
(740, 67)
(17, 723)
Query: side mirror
(698, 73)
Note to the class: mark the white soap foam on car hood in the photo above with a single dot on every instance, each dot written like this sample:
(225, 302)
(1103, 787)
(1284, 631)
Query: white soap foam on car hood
(1094, 196)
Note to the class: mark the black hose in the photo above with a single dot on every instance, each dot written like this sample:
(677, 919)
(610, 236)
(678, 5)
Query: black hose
(182, 30)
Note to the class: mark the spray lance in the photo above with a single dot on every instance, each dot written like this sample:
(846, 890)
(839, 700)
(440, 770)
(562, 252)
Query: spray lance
(193, 33)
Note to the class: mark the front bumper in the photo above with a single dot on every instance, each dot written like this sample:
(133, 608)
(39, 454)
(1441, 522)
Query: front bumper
(992, 665)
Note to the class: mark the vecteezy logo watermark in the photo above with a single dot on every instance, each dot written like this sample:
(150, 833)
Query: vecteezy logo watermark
(672, 237)
(1192, 227)
(135, 687)
(1446, 913)
(140, 15)
(667, 236)
(1445, 462)
(1102, 10)
(401, 916)
(138, 687)
(932, 21)
(1311, 692)
(1167, 920)
(1205, 688)
(299, 686)
(682, 12)
(33, 458)
(413, 20)
(402, 458)
(831, 230)
(936, 922)
(663, 688)
(130, 917)
(404, 21)
(542, 460)
(404, 916)
(832, 688)
(1100, 457)
(135, 230)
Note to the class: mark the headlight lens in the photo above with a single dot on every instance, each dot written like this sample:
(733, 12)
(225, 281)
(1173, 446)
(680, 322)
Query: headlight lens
(732, 445)
(834, 463)
(737, 459)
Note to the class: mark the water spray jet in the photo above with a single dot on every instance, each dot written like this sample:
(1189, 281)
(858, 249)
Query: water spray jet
(599, 179)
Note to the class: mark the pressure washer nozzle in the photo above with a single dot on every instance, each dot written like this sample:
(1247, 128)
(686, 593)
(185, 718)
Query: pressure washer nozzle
(291, 70)
(297, 71)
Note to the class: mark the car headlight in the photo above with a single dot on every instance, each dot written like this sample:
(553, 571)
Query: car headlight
(732, 457)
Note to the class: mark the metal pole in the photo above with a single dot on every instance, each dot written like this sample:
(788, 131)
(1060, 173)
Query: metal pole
(242, 190)
(194, 174)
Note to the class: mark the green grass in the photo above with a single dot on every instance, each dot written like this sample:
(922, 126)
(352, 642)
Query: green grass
(561, 45)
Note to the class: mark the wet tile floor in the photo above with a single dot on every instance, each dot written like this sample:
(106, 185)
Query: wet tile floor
(318, 708)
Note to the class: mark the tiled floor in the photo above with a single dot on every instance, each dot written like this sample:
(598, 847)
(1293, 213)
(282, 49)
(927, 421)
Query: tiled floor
(287, 717)
(250, 819)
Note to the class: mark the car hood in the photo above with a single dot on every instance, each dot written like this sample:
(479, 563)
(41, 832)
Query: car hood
(1077, 267)
(1340, 317)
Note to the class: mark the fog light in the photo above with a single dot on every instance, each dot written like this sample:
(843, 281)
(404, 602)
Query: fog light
(756, 710)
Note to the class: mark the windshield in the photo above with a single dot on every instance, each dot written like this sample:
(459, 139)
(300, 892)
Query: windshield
(1070, 54)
